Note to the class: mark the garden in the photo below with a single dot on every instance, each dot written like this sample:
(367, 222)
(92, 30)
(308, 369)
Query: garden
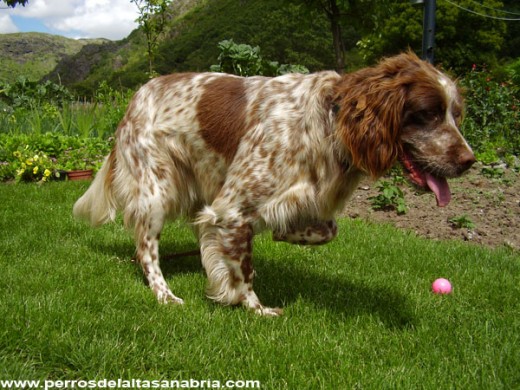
(46, 132)
(359, 312)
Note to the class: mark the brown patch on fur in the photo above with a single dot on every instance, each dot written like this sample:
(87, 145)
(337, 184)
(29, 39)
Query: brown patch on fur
(221, 112)
(234, 279)
(238, 242)
(247, 268)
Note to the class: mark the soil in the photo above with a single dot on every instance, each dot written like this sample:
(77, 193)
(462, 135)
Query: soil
(491, 204)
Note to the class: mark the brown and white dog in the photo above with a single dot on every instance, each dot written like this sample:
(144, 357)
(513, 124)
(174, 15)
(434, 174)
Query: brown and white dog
(238, 155)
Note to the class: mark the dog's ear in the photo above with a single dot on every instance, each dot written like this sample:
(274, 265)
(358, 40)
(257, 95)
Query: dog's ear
(371, 104)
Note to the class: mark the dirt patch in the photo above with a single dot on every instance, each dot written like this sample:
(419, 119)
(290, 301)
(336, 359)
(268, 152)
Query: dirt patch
(491, 204)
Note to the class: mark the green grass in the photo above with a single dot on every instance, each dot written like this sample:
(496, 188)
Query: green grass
(358, 312)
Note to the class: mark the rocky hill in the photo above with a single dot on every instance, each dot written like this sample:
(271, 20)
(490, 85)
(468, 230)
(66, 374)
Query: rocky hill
(35, 55)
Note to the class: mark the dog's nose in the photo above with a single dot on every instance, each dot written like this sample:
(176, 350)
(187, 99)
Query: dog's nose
(466, 160)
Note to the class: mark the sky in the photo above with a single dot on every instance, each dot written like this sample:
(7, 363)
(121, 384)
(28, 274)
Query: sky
(111, 19)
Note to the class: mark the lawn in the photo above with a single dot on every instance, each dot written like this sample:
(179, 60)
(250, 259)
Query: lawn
(358, 312)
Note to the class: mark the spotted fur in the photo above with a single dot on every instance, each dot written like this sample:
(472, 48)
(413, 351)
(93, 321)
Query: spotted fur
(239, 155)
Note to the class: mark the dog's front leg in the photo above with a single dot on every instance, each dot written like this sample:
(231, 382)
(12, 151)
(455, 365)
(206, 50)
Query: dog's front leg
(316, 233)
(226, 249)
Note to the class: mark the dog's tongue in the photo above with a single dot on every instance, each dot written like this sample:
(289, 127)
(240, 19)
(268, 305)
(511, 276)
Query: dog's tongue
(440, 187)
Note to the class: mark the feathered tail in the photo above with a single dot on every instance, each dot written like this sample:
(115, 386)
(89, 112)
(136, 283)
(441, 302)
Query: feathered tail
(98, 205)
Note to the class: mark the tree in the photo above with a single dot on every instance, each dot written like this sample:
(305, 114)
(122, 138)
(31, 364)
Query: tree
(511, 47)
(332, 10)
(153, 15)
(462, 38)
(359, 15)
(14, 3)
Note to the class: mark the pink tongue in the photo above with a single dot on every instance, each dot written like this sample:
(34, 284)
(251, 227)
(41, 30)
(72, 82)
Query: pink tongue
(440, 187)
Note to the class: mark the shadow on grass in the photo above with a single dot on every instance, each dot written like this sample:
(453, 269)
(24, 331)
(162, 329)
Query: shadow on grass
(279, 285)
(174, 259)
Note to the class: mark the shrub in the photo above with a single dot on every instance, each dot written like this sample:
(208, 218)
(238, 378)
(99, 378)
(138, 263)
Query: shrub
(90, 154)
(462, 222)
(492, 122)
(245, 60)
(390, 196)
(513, 70)
(33, 166)
(27, 94)
(55, 152)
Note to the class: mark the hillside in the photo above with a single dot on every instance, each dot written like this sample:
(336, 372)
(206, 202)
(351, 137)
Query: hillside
(289, 32)
(283, 30)
(36, 54)
(286, 32)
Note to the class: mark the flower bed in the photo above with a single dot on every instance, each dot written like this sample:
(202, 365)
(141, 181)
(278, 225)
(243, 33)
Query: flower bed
(45, 157)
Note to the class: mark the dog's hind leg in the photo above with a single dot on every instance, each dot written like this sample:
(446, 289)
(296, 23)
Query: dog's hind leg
(149, 222)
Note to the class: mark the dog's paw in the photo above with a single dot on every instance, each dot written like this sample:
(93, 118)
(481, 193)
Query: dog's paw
(251, 302)
(167, 297)
(269, 311)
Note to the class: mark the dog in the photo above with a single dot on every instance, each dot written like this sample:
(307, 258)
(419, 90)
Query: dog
(235, 156)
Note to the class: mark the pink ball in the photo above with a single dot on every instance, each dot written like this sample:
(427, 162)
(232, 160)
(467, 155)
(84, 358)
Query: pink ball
(441, 286)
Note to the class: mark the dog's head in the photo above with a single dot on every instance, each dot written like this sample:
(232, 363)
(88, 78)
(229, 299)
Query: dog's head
(404, 109)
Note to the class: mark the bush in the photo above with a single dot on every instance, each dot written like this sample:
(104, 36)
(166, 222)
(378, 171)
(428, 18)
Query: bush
(492, 122)
(53, 152)
(33, 166)
(245, 60)
(42, 131)
(390, 196)
(89, 154)
(28, 94)
(513, 70)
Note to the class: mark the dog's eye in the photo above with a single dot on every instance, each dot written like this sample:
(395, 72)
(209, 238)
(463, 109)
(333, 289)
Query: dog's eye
(457, 115)
(425, 116)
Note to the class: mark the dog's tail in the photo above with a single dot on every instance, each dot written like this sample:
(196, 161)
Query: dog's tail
(98, 204)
